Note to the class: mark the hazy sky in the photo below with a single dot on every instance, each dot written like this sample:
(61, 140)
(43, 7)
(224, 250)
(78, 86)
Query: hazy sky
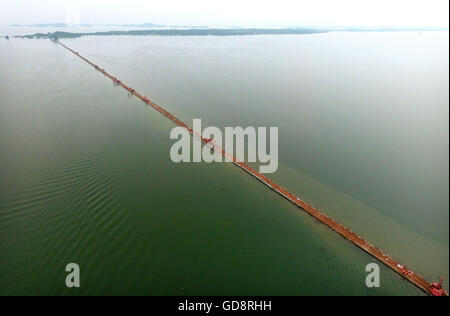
(396, 13)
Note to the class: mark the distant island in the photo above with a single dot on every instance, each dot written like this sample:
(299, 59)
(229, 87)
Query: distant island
(178, 32)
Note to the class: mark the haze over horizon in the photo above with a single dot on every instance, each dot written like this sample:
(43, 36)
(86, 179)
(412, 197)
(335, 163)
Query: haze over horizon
(264, 13)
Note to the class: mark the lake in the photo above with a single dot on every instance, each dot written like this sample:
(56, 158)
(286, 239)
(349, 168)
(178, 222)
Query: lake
(86, 177)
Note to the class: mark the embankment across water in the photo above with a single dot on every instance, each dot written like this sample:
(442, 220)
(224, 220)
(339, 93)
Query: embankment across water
(354, 238)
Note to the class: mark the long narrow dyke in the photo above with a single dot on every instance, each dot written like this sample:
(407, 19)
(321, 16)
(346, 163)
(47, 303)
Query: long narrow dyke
(357, 240)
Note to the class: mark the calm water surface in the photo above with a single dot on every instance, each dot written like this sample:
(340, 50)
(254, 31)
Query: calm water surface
(85, 173)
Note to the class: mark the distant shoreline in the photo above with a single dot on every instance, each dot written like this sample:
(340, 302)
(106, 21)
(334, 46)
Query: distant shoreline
(178, 32)
(220, 32)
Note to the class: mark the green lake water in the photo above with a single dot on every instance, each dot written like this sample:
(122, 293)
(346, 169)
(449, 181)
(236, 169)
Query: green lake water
(86, 177)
